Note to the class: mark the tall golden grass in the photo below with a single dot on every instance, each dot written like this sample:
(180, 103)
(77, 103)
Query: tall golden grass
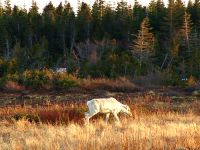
(158, 131)
(158, 123)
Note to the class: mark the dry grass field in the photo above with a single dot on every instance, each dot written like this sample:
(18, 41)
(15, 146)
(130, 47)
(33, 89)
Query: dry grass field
(159, 122)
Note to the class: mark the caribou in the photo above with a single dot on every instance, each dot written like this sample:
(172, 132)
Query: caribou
(106, 106)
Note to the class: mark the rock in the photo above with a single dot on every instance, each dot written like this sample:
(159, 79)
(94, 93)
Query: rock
(151, 93)
(196, 93)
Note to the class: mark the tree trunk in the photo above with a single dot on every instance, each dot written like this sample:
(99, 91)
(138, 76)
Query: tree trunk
(7, 53)
(164, 61)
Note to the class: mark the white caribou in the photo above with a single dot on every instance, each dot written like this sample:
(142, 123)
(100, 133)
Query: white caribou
(107, 106)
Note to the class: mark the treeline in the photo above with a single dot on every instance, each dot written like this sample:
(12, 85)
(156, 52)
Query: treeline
(102, 41)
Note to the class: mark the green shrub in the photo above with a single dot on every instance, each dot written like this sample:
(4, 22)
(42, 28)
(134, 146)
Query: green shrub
(7, 67)
(37, 78)
(2, 82)
(13, 77)
(175, 80)
(64, 80)
(3, 68)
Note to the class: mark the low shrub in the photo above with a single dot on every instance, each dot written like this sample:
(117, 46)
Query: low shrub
(192, 81)
(175, 80)
(13, 77)
(2, 82)
(37, 78)
(10, 85)
(12, 82)
(62, 115)
(119, 84)
(64, 80)
(152, 79)
(28, 117)
(7, 67)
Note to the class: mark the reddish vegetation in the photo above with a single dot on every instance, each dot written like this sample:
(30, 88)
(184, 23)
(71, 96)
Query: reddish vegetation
(73, 111)
(119, 84)
(10, 85)
(62, 115)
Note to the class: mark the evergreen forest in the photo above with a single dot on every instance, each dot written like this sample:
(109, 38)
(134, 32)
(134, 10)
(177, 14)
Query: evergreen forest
(102, 41)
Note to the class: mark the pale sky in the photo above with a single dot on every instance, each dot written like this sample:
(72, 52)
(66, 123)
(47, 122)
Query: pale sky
(42, 3)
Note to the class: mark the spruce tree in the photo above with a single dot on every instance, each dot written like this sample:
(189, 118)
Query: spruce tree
(173, 22)
(194, 66)
(70, 27)
(122, 21)
(108, 21)
(34, 8)
(143, 46)
(139, 13)
(35, 24)
(185, 32)
(98, 10)
(83, 22)
(157, 13)
(194, 10)
(8, 9)
(49, 13)
(49, 31)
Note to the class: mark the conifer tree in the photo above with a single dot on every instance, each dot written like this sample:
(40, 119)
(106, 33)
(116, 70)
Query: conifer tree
(7, 25)
(34, 8)
(60, 42)
(185, 32)
(8, 9)
(157, 13)
(139, 13)
(83, 22)
(49, 31)
(35, 24)
(179, 12)
(108, 21)
(70, 26)
(122, 21)
(194, 10)
(194, 65)
(143, 46)
(98, 10)
(49, 13)
(173, 22)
